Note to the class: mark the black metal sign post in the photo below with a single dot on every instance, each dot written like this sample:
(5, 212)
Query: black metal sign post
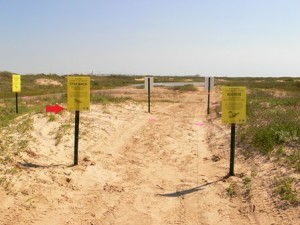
(233, 112)
(208, 96)
(76, 138)
(148, 94)
(232, 150)
(17, 107)
(78, 100)
(16, 87)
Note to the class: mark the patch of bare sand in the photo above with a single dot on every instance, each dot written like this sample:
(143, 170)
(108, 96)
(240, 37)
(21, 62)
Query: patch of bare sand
(46, 82)
(139, 79)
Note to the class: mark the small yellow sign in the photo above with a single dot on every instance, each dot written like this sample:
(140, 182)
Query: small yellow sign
(16, 83)
(234, 104)
(78, 93)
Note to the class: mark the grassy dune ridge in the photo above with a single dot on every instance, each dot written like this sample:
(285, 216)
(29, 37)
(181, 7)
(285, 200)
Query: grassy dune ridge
(30, 87)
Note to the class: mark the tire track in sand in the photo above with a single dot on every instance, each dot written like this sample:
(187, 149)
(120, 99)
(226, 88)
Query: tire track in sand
(159, 169)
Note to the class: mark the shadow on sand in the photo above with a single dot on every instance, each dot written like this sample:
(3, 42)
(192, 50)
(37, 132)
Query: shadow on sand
(33, 165)
(189, 191)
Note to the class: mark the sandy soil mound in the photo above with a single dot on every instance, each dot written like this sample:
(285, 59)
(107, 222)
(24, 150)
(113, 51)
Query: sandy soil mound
(44, 81)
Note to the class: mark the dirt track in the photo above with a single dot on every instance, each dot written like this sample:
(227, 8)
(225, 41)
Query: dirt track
(134, 168)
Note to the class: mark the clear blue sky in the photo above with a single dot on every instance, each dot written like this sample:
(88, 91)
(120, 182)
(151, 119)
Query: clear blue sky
(158, 37)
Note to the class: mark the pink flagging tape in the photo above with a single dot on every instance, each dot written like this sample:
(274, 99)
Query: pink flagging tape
(153, 120)
(199, 124)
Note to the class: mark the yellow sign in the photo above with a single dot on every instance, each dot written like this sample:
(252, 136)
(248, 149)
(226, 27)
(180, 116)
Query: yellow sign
(78, 93)
(16, 83)
(234, 104)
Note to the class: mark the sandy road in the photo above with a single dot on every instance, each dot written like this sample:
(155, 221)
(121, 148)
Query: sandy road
(135, 168)
(164, 171)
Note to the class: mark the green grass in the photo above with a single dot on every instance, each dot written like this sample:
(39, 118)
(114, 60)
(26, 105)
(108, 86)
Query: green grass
(107, 99)
(247, 181)
(283, 83)
(26, 106)
(273, 121)
(242, 188)
(232, 190)
(61, 132)
(160, 79)
(13, 145)
(29, 86)
(186, 87)
(285, 188)
(7, 115)
(51, 118)
(15, 136)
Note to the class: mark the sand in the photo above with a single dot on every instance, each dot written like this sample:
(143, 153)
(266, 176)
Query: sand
(167, 167)
(46, 82)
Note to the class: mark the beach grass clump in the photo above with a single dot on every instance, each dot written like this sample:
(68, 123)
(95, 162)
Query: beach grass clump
(107, 99)
(286, 189)
(184, 88)
(232, 190)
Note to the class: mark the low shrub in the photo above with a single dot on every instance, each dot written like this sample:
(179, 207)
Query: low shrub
(186, 87)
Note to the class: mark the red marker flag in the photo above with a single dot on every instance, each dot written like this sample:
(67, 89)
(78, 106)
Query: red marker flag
(55, 108)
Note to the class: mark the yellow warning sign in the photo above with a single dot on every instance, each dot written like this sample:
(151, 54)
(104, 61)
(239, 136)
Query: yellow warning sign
(78, 93)
(16, 83)
(234, 104)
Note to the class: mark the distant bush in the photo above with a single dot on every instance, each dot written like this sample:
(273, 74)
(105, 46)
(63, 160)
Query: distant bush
(107, 99)
(186, 87)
